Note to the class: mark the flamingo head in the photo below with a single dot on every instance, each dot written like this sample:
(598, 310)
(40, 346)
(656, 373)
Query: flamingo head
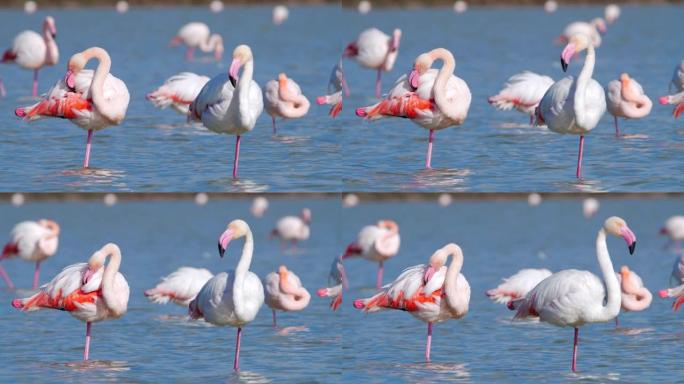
(600, 25)
(624, 272)
(76, 63)
(577, 43)
(664, 100)
(437, 261)
(306, 215)
(241, 55)
(390, 225)
(282, 272)
(95, 262)
(420, 66)
(49, 224)
(49, 26)
(235, 230)
(351, 50)
(617, 226)
(625, 79)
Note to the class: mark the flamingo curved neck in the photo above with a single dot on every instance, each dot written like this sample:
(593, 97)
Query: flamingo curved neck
(294, 105)
(613, 293)
(439, 88)
(454, 300)
(241, 273)
(384, 244)
(108, 291)
(581, 86)
(51, 52)
(97, 86)
(637, 300)
(211, 43)
(294, 298)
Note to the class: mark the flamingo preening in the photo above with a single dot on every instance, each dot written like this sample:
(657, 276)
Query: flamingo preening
(284, 99)
(676, 98)
(337, 283)
(32, 241)
(635, 296)
(626, 98)
(336, 85)
(284, 292)
(518, 285)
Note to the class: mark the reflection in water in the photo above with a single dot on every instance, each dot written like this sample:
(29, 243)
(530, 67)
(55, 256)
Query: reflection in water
(600, 378)
(453, 179)
(633, 331)
(583, 185)
(93, 177)
(291, 139)
(239, 185)
(434, 372)
(247, 378)
(637, 136)
(92, 365)
(287, 331)
(183, 320)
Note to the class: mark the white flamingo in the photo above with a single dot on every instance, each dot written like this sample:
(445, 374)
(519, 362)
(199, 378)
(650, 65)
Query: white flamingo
(635, 296)
(522, 91)
(234, 297)
(284, 99)
(678, 97)
(31, 241)
(674, 230)
(178, 92)
(377, 243)
(284, 292)
(626, 98)
(336, 84)
(293, 228)
(375, 50)
(180, 287)
(434, 99)
(33, 51)
(93, 100)
(573, 298)
(574, 106)
(196, 35)
(230, 105)
(593, 29)
(518, 285)
(90, 292)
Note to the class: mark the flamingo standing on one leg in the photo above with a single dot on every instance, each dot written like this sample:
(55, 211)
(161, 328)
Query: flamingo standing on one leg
(90, 292)
(522, 91)
(336, 85)
(432, 292)
(626, 98)
(93, 100)
(230, 105)
(284, 291)
(574, 106)
(180, 287)
(593, 29)
(573, 298)
(635, 297)
(377, 243)
(337, 283)
(293, 228)
(375, 50)
(178, 92)
(434, 99)
(196, 35)
(517, 286)
(31, 241)
(33, 51)
(234, 297)
(283, 98)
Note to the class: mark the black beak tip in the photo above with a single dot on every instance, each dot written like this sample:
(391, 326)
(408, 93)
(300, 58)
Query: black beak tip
(632, 247)
(232, 80)
(564, 65)
(221, 250)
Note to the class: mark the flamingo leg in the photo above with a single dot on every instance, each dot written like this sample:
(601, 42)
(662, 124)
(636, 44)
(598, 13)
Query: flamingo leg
(190, 53)
(617, 128)
(381, 268)
(579, 157)
(6, 277)
(274, 125)
(574, 350)
(428, 157)
(236, 362)
(36, 275)
(89, 142)
(35, 83)
(531, 120)
(86, 350)
(345, 87)
(378, 84)
(617, 322)
(429, 343)
(236, 160)
(274, 318)
(3, 92)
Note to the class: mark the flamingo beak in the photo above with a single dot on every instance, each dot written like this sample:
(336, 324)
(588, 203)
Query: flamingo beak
(413, 78)
(69, 79)
(429, 272)
(87, 275)
(630, 238)
(224, 240)
(567, 55)
(233, 71)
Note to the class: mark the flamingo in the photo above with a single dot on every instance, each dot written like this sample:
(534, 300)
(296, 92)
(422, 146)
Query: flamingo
(220, 112)
(574, 106)
(635, 297)
(180, 287)
(283, 98)
(589, 207)
(335, 86)
(573, 298)
(90, 292)
(337, 282)
(178, 92)
(677, 293)
(259, 206)
(33, 51)
(293, 228)
(374, 49)
(91, 100)
(280, 14)
(432, 292)
(674, 230)
(678, 97)
(234, 297)
(433, 99)
(31, 241)
(626, 98)
(515, 287)
(612, 13)
(378, 243)
(196, 35)
(522, 91)
(593, 29)
(284, 291)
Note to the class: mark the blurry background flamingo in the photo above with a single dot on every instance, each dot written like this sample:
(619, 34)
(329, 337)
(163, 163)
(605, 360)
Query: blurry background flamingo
(377, 243)
(336, 85)
(374, 49)
(293, 228)
(31, 241)
(337, 283)
(196, 35)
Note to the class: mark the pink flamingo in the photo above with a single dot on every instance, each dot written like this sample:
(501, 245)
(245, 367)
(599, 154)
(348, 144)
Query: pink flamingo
(677, 98)
(180, 287)
(377, 243)
(574, 106)
(283, 98)
(573, 298)
(625, 98)
(196, 35)
(593, 29)
(234, 297)
(90, 292)
(178, 92)
(433, 99)
(31, 241)
(674, 230)
(215, 108)
(635, 297)
(517, 286)
(293, 228)
(522, 91)
(91, 100)
(337, 283)
(336, 84)
(432, 292)
(33, 51)
(375, 50)
(284, 292)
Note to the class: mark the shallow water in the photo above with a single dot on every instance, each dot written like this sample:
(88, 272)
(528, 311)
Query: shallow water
(153, 343)
(154, 150)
